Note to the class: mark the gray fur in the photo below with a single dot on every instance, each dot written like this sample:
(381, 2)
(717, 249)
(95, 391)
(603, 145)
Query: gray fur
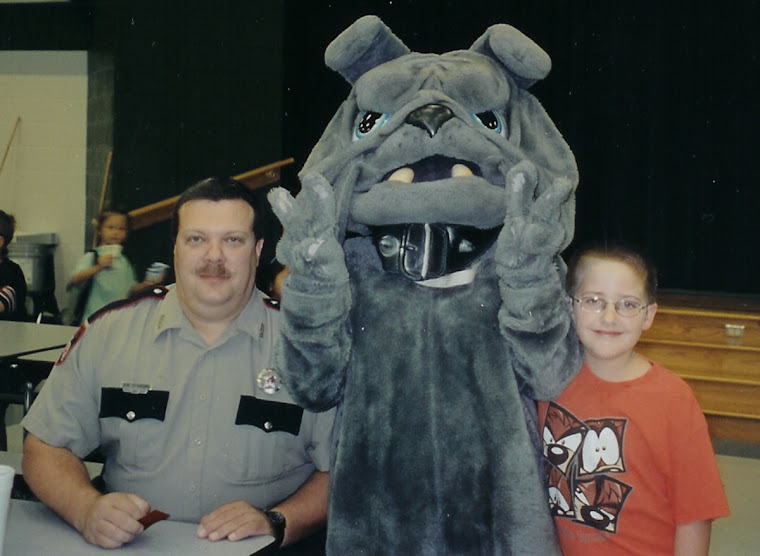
(435, 453)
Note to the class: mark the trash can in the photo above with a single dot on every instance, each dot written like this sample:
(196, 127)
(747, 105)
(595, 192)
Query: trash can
(34, 253)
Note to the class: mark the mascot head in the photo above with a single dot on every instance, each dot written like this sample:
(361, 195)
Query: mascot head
(419, 152)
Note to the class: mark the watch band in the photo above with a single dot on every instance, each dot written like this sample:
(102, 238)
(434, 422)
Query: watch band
(277, 520)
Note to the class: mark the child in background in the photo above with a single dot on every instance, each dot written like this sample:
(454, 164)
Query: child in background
(12, 281)
(110, 272)
(629, 463)
(269, 278)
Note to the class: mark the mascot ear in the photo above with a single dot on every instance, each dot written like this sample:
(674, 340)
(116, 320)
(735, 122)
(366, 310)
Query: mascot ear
(531, 128)
(525, 60)
(366, 44)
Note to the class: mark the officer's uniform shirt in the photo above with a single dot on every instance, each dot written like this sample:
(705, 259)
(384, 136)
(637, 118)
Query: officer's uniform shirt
(184, 425)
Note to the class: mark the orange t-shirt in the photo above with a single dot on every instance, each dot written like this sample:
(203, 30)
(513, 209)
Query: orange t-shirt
(626, 462)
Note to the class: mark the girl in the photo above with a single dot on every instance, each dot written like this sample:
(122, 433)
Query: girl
(629, 464)
(105, 275)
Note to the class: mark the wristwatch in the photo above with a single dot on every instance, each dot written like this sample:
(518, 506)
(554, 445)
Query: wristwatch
(278, 526)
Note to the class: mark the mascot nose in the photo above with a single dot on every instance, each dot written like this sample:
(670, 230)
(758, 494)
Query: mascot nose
(430, 117)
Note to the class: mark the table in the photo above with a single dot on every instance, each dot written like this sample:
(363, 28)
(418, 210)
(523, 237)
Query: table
(34, 529)
(47, 357)
(27, 353)
(23, 338)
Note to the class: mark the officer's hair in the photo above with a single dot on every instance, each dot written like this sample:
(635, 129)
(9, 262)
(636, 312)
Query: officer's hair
(218, 189)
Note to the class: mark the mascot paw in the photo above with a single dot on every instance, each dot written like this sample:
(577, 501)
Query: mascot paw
(317, 263)
(531, 225)
(309, 244)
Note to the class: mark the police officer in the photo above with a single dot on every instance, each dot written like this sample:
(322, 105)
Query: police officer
(179, 391)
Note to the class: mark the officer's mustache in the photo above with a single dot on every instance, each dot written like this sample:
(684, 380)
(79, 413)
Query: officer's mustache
(217, 270)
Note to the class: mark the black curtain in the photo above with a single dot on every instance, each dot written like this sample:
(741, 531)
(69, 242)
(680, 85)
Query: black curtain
(656, 99)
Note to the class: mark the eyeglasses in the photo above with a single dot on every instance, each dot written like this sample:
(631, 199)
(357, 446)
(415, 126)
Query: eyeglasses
(624, 307)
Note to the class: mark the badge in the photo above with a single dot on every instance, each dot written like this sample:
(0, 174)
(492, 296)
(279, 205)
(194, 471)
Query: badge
(268, 381)
(135, 388)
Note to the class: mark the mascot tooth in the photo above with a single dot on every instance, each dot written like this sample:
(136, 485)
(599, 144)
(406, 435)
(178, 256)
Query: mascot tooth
(425, 294)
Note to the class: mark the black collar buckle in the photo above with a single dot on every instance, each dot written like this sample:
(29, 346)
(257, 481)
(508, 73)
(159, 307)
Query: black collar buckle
(426, 251)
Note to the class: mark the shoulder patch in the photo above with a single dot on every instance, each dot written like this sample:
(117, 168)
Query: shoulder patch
(156, 292)
(273, 304)
(71, 344)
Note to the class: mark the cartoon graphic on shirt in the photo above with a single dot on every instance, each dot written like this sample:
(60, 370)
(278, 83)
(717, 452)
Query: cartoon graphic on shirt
(580, 457)
(559, 492)
(563, 435)
(602, 447)
(598, 501)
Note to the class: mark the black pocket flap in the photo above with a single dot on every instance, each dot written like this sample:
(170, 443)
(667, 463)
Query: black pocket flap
(115, 402)
(269, 416)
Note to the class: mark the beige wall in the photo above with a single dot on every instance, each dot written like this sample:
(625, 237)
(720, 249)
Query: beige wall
(43, 180)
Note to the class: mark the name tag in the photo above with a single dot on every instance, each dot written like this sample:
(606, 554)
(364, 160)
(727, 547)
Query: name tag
(135, 388)
(115, 402)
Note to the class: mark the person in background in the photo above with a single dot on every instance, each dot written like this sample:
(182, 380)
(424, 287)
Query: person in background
(12, 303)
(274, 272)
(106, 274)
(629, 462)
(12, 281)
(278, 281)
(271, 272)
(179, 390)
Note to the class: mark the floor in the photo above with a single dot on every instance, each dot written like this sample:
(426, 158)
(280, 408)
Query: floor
(738, 534)
(739, 463)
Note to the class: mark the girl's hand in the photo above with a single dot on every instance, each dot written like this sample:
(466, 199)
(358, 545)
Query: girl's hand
(105, 261)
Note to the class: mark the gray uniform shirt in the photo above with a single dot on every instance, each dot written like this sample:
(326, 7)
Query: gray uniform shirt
(184, 425)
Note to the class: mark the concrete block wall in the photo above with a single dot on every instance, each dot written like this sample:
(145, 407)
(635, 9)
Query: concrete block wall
(43, 180)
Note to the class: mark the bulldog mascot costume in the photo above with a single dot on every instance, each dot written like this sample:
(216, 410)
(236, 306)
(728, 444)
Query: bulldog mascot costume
(425, 296)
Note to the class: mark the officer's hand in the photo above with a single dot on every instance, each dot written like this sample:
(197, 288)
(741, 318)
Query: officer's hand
(234, 521)
(111, 521)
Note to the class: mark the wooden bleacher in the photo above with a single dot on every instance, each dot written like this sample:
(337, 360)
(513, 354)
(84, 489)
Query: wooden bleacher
(162, 210)
(713, 342)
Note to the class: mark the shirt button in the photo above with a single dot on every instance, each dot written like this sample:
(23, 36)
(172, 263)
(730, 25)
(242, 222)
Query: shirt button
(268, 426)
(192, 488)
(198, 441)
(131, 415)
(203, 397)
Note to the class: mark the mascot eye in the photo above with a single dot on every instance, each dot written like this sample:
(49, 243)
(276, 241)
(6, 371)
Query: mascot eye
(370, 121)
(491, 120)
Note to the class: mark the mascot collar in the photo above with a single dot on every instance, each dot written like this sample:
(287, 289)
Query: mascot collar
(436, 255)
(460, 278)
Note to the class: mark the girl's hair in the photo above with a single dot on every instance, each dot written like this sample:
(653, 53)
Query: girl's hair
(614, 251)
(105, 213)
